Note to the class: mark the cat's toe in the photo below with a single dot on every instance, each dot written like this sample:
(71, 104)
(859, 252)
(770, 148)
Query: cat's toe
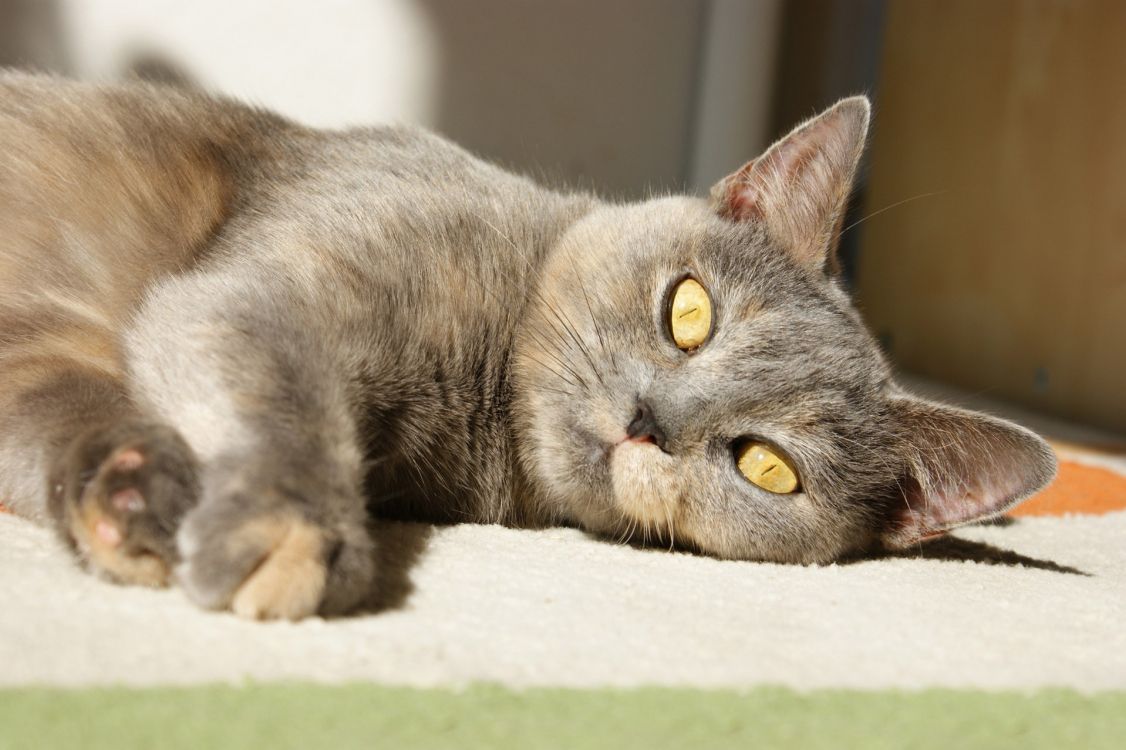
(289, 582)
(270, 565)
(117, 495)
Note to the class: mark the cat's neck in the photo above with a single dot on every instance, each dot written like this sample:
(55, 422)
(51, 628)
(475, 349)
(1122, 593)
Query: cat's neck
(466, 434)
(524, 502)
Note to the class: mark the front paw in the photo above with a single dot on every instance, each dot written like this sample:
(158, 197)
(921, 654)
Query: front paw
(117, 494)
(268, 560)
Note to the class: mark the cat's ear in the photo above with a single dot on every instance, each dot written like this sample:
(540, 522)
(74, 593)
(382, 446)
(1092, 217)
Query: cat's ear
(961, 466)
(799, 187)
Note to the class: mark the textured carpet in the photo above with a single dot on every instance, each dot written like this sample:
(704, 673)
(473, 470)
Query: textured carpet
(1036, 603)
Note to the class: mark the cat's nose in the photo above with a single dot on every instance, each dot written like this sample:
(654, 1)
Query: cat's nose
(644, 427)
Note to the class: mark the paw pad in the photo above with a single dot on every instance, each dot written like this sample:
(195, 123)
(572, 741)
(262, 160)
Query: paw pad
(130, 459)
(117, 493)
(128, 501)
(107, 533)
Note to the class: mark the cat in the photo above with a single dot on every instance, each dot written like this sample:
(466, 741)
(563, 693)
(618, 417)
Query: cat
(229, 342)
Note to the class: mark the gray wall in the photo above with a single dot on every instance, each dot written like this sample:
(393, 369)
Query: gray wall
(626, 96)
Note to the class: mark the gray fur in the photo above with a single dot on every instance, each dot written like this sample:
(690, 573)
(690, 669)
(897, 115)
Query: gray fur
(374, 321)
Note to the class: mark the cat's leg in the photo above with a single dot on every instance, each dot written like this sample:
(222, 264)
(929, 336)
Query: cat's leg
(258, 389)
(76, 449)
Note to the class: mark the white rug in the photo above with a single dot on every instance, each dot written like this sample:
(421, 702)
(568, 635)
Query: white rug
(558, 608)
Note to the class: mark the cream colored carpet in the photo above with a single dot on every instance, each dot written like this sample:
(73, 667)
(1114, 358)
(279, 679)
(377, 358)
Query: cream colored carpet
(1041, 602)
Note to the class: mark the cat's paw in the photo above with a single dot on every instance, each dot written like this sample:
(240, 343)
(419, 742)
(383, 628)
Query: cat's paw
(117, 494)
(267, 561)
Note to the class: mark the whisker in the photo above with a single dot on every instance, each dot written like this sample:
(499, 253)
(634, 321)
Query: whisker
(590, 312)
(888, 208)
(672, 531)
(573, 334)
(546, 349)
(630, 522)
(543, 344)
(565, 322)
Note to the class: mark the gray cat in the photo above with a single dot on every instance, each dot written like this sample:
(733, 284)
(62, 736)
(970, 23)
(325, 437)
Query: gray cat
(227, 342)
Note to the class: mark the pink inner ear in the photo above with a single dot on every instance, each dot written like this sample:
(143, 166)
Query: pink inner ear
(926, 515)
(743, 201)
(746, 189)
(909, 527)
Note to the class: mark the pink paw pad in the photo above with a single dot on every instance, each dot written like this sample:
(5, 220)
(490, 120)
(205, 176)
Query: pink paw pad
(128, 460)
(107, 533)
(130, 501)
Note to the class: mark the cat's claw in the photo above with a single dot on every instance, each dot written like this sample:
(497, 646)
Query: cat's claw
(117, 494)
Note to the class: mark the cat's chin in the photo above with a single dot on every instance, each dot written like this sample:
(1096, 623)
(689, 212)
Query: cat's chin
(647, 489)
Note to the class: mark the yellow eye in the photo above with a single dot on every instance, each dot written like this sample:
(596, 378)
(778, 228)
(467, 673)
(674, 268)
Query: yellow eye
(690, 315)
(764, 468)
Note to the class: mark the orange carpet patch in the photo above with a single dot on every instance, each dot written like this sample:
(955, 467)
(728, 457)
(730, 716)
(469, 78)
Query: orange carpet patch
(1078, 488)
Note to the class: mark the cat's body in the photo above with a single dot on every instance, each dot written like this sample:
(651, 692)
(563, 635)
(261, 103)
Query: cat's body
(400, 245)
(207, 310)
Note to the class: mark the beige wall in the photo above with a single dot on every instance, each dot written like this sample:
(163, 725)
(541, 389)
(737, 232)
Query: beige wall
(1012, 280)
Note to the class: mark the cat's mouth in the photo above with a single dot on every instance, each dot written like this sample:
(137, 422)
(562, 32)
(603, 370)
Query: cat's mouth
(643, 479)
(645, 482)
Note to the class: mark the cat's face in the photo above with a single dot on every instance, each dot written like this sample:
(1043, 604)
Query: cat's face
(634, 425)
(786, 363)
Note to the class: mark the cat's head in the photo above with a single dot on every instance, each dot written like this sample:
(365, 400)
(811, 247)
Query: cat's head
(692, 371)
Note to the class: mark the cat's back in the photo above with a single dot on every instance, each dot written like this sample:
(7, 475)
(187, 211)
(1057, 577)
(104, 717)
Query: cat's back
(136, 174)
(148, 174)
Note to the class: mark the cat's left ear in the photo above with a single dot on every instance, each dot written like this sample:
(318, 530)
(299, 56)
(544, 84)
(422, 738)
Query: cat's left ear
(798, 188)
(961, 466)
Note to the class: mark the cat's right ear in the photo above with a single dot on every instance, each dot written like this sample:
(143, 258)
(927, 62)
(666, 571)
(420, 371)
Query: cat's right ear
(799, 186)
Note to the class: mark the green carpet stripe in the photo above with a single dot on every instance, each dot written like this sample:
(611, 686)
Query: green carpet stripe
(368, 716)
